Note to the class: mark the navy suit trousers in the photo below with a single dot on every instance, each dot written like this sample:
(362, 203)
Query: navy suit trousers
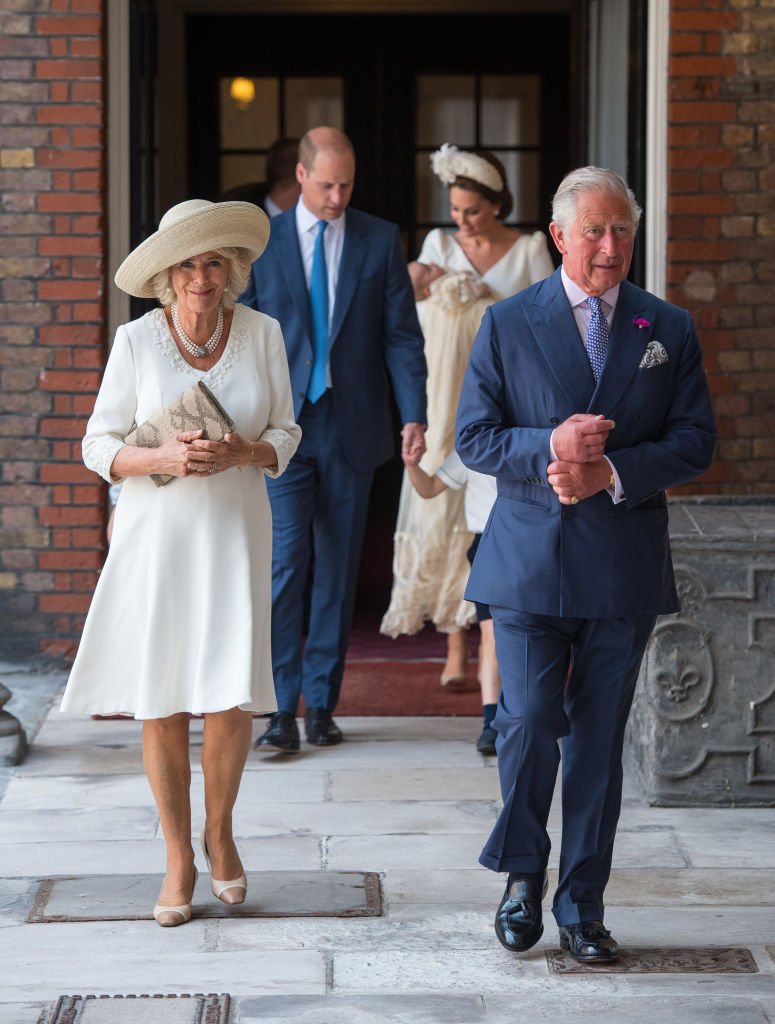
(319, 508)
(569, 680)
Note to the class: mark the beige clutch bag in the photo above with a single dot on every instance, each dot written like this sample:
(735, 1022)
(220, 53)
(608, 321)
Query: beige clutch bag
(195, 409)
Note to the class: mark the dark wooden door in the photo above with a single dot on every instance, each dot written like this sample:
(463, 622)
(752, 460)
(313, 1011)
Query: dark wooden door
(393, 83)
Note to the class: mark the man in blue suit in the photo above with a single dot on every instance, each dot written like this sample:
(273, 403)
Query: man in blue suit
(336, 280)
(585, 397)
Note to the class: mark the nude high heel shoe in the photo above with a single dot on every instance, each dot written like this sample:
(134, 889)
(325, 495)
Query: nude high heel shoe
(172, 917)
(218, 887)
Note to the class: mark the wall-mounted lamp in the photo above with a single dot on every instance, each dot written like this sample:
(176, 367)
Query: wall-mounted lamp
(243, 92)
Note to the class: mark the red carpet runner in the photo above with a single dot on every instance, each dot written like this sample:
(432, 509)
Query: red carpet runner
(401, 677)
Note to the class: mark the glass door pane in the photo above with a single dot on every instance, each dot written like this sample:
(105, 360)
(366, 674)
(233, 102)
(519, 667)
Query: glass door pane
(313, 101)
(496, 112)
(509, 110)
(446, 110)
(278, 106)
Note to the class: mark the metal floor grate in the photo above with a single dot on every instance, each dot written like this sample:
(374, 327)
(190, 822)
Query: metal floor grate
(140, 1009)
(271, 894)
(672, 960)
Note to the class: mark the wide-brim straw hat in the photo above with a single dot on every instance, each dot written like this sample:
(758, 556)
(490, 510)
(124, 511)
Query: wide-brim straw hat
(190, 228)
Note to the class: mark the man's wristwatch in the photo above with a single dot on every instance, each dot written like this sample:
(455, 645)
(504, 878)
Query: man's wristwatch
(612, 482)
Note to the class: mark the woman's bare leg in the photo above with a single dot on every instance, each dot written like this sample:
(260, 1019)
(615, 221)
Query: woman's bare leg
(166, 761)
(227, 737)
(454, 672)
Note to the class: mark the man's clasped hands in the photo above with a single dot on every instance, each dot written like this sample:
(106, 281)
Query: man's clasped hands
(579, 471)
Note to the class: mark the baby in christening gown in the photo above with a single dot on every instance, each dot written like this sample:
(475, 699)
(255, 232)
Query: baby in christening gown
(430, 567)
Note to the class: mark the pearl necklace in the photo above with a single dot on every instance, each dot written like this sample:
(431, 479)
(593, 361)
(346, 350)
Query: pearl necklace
(200, 351)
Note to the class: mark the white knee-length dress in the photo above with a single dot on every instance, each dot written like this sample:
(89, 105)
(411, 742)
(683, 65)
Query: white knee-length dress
(180, 618)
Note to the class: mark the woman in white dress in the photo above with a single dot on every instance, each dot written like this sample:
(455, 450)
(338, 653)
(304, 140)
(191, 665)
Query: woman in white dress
(180, 620)
(431, 540)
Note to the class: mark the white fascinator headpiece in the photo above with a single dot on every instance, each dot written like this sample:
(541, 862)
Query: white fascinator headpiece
(449, 163)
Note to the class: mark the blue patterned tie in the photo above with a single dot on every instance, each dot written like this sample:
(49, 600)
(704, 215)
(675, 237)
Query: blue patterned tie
(597, 336)
(318, 302)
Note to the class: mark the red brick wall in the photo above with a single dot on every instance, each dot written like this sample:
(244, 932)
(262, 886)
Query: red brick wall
(721, 229)
(52, 265)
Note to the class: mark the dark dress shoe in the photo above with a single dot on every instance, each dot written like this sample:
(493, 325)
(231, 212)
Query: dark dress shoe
(518, 920)
(486, 742)
(320, 727)
(588, 942)
(282, 734)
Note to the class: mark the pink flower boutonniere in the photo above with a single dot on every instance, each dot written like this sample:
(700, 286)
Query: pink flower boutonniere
(640, 322)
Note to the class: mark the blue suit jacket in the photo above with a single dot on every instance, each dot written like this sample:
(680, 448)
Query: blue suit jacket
(528, 372)
(375, 335)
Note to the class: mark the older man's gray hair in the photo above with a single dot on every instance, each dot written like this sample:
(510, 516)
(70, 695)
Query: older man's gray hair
(590, 179)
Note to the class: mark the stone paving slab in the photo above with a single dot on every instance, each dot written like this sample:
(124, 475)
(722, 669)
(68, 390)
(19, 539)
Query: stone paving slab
(691, 887)
(23, 1012)
(101, 857)
(374, 819)
(406, 784)
(55, 825)
(430, 852)
(16, 899)
(441, 1009)
(363, 754)
(121, 964)
(454, 886)
(66, 732)
(730, 848)
(632, 926)
(443, 968)
(95, 759)
(372, 1009)
(627, 887)
(385, 853)
(125, 790)
(626, 1009)
(61, 824)
(270, 894)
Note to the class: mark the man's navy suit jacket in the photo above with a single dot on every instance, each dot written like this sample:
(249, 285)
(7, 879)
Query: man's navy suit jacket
(527, 373)
(375, 337)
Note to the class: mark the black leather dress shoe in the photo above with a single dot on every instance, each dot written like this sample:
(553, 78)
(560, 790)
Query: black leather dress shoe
(588, 942)
(320, 728)
(486, 742)
(518, 920)
(282, 734)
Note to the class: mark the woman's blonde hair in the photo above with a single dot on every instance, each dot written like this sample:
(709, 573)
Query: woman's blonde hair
(239, 273)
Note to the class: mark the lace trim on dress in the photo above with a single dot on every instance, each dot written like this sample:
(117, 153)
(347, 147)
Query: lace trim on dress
(163, 340)
(283, 444)
(102, 452)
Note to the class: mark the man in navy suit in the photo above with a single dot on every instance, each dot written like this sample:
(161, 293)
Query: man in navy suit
(585, 397)
(336, 280)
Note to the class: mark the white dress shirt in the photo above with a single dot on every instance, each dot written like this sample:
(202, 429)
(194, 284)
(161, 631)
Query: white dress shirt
(307, 227)
(271, 207)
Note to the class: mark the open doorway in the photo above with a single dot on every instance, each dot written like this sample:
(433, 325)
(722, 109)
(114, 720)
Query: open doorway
(411, 83)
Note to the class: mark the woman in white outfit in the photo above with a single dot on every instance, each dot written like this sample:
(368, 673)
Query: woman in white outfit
(457, 275)
(180, 620)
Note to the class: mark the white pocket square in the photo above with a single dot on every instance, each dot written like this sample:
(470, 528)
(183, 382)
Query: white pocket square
(655, 355)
